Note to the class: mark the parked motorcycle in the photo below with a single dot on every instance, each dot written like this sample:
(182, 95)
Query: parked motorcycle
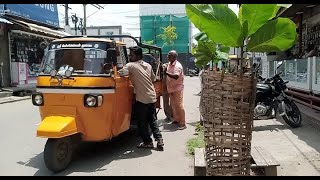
(193, 72)
(271, 97)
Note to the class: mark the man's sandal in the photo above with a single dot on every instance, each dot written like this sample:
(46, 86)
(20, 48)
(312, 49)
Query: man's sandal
(160, 142)
(182, 127)
(143, 145)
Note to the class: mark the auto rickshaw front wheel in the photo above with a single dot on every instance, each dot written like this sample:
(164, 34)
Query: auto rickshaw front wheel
(58, 153)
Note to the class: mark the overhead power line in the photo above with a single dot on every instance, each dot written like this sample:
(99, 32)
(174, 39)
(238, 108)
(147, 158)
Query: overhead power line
(96, 11)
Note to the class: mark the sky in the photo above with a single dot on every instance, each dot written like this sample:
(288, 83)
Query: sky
(126, 15)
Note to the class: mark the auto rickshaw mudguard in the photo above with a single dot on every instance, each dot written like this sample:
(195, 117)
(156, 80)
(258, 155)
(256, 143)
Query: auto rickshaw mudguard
(57, 127)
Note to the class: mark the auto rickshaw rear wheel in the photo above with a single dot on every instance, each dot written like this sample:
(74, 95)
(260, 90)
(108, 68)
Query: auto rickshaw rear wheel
(58, 153)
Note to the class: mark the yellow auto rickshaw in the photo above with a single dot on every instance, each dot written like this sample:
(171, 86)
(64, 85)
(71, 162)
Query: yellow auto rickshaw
(81, 96)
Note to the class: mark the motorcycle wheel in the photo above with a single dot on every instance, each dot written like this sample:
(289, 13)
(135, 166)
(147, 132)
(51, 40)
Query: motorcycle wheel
(293, 117)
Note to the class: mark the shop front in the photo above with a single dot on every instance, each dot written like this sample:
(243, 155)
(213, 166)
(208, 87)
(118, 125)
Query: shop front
(26, 52)
(4, 53)
(26, 56)
(26, 34)
(302, 62)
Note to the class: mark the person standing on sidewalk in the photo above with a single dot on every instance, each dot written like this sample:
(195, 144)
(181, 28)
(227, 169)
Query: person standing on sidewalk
(165, 96)
(142, 78)
(175, 88)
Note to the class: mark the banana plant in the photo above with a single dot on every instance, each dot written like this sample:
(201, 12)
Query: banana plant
(206, 51)
(256, 28)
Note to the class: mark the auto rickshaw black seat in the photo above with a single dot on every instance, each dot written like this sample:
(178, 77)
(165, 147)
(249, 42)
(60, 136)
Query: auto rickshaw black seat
(151, 60)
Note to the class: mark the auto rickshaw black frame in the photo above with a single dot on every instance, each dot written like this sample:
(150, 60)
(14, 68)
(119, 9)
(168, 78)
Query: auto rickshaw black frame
(149, 47)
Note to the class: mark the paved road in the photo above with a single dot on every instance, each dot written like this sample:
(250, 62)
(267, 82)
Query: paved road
(22, 152)
(297, 150)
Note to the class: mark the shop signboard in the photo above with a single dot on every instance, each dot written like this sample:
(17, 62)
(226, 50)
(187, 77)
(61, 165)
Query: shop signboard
(22, 71)
(44, 13)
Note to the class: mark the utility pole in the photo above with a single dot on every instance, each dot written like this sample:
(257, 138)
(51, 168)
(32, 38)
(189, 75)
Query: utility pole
(85, 16)
(84, 20)
(75, 20)
(66, 17)
(80, 27)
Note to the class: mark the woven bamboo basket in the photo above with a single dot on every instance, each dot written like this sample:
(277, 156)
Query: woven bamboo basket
(227, 104)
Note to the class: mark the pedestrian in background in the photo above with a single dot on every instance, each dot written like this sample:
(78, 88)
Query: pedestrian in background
(165, 96)
(175, 86)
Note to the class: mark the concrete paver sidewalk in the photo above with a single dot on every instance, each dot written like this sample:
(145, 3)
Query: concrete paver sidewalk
(296, 150)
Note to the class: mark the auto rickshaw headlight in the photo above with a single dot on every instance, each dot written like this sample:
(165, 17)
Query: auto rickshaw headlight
(68, 73)
(93, 100)
(37, 99)
(53, 73)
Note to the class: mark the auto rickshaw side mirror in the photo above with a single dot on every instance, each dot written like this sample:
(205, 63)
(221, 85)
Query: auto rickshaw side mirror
(111, 56)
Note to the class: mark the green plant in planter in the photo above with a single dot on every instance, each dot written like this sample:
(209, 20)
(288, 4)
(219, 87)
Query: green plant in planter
(256, 29)
(206, 50)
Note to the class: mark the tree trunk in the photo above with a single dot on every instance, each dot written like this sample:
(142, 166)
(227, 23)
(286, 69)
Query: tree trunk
(241, 62)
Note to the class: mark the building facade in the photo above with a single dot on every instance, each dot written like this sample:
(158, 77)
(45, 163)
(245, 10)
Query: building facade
(153, 17)
(99, 30)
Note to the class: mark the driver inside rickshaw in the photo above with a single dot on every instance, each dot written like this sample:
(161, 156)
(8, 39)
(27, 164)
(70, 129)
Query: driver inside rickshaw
(81, 61)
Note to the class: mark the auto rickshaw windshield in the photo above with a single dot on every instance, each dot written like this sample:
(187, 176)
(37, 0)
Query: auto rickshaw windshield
(83, 61)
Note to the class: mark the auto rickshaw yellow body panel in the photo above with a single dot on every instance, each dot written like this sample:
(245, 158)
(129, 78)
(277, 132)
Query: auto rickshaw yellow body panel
(64, 112)
(94, 124)
(57, 127)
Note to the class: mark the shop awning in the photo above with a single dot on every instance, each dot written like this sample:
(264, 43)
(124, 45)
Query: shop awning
(2, 20)
(42, 29)
(32, 34)
(34, 27)
(295, 9)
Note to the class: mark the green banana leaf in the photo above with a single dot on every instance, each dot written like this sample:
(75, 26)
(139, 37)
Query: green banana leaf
(285, 5)
(222, 55)
(224, 49)
(275, 12)
(256, 15)
(204, 52)
(201, 37)
(218, 21)
(277, 35)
